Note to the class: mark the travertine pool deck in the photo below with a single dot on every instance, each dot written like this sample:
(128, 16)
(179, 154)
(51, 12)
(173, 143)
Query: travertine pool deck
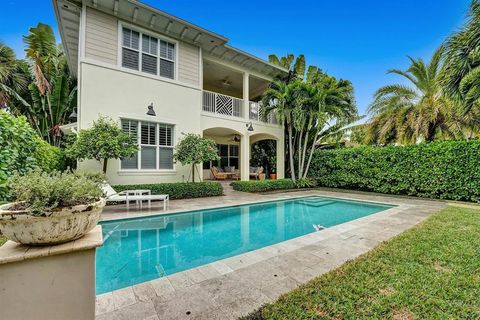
(235, 286)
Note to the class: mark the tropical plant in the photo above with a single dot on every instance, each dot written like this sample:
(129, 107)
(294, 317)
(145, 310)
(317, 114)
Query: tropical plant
(311, 105)
(264, 154)
(104, 140)
(12, 79)
(41, 87)
(193, 149)
(420, 112)
(461, 72)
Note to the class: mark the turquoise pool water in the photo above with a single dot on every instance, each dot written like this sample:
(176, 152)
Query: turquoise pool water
(142, 249)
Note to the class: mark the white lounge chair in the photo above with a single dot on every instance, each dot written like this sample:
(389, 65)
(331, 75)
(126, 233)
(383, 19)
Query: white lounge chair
(133, 195)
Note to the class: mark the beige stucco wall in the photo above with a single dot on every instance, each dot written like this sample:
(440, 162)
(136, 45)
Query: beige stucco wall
(119, 94)
(49, 288)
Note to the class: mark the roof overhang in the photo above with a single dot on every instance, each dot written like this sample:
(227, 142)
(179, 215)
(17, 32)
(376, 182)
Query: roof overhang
(145, 16)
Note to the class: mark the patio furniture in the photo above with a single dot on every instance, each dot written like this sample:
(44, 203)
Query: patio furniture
(134, 195)
(255, 172)
(235, 175)
(217, 174)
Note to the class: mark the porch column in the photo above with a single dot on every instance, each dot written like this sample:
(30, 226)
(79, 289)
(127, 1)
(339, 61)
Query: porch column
(280, 157)
(246, 96)
(245, 157)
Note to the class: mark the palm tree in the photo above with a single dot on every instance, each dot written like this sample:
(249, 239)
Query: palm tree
(461, 72)
(306, 104)
(12, 79)
(406, 114)
(53, 93)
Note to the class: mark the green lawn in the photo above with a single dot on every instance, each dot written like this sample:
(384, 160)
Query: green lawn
(429, 272)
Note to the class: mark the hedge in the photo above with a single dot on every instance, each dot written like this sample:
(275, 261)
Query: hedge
(22, 149)
(178, 190)
(263, 185)
(442, 170)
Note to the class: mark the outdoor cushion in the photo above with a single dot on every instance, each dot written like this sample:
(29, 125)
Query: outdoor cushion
(229, 169)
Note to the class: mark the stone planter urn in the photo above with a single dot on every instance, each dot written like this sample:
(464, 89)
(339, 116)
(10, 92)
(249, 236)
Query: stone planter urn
(54, 227)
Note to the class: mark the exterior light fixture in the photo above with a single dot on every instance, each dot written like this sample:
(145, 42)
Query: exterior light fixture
(249, 126)
(73, 116)
(150, 111)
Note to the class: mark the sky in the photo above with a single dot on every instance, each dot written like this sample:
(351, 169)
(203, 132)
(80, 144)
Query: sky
(358, 40)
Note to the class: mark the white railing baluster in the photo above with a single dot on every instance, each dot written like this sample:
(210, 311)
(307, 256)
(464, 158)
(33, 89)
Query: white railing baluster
(222, 104)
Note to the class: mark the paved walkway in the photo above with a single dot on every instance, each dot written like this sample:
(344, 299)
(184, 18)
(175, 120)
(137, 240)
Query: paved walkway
(235, 286)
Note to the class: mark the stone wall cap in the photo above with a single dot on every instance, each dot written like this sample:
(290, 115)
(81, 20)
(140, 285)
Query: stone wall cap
(14, 252)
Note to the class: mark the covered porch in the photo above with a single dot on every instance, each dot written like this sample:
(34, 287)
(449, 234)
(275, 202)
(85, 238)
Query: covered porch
(235, 152)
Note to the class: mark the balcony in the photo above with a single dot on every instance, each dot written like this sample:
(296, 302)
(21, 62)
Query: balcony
(256, 113)
(222, 104)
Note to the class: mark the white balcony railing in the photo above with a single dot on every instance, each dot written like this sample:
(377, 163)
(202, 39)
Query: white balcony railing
(256, 113)
(222, 104)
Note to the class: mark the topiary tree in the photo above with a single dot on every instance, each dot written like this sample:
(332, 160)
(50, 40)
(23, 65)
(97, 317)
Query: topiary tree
(194, 149)
(104, 140)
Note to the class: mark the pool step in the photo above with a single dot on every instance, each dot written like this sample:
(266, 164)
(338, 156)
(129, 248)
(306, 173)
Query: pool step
(317, 203)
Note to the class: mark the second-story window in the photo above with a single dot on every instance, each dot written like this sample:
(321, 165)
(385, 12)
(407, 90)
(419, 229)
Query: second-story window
(147, 54)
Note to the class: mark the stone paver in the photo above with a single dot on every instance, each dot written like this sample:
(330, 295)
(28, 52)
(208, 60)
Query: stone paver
(230, 288)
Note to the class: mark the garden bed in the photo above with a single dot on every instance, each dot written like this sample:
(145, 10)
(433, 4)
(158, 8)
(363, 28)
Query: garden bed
(429, 272)
(178, 190)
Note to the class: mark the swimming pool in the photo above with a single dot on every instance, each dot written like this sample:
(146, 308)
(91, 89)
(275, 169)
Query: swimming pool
(142, 249)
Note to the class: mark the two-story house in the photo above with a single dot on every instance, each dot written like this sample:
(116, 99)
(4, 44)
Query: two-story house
(160, 76)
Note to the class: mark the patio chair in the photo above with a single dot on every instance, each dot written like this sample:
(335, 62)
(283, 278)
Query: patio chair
(255, 172)
(217, 175)
(134, 195)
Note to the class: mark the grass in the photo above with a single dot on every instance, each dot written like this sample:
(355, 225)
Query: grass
(429, 272)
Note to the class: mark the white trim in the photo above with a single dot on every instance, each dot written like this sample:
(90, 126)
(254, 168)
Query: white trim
(200, 66)
(139, 120)
(144, 172)
(137, 73)
(132, 116)
(237, 119)
(147, 32)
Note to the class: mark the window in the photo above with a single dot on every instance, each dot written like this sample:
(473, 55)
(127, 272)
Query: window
(130, 54)
(156, 145)
(228, 157)
(153, 56)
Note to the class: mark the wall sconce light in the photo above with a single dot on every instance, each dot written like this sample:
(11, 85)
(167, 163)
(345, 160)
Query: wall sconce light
(150, 111)
(249, 126)
(73, 116)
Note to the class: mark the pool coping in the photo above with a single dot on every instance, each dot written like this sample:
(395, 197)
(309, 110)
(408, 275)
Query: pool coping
(161, 289)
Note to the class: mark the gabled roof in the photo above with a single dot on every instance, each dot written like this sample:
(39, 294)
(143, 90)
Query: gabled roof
(135, 12)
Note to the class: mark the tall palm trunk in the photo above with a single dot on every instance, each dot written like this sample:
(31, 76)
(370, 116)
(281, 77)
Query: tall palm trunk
(290, 149)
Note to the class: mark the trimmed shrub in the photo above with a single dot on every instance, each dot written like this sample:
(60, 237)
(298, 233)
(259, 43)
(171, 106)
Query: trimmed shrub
(442, 170)
(49, 158)
(263, 185)
(179, 190)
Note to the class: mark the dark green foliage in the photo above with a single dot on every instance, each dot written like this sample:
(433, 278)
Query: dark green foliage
(42, 192)
(102, 141)
(443, 170)
(263, 185)
(179, 190)
(22, 150)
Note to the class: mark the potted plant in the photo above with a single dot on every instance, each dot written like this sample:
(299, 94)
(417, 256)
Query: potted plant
(51, 208)
(273, 169)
